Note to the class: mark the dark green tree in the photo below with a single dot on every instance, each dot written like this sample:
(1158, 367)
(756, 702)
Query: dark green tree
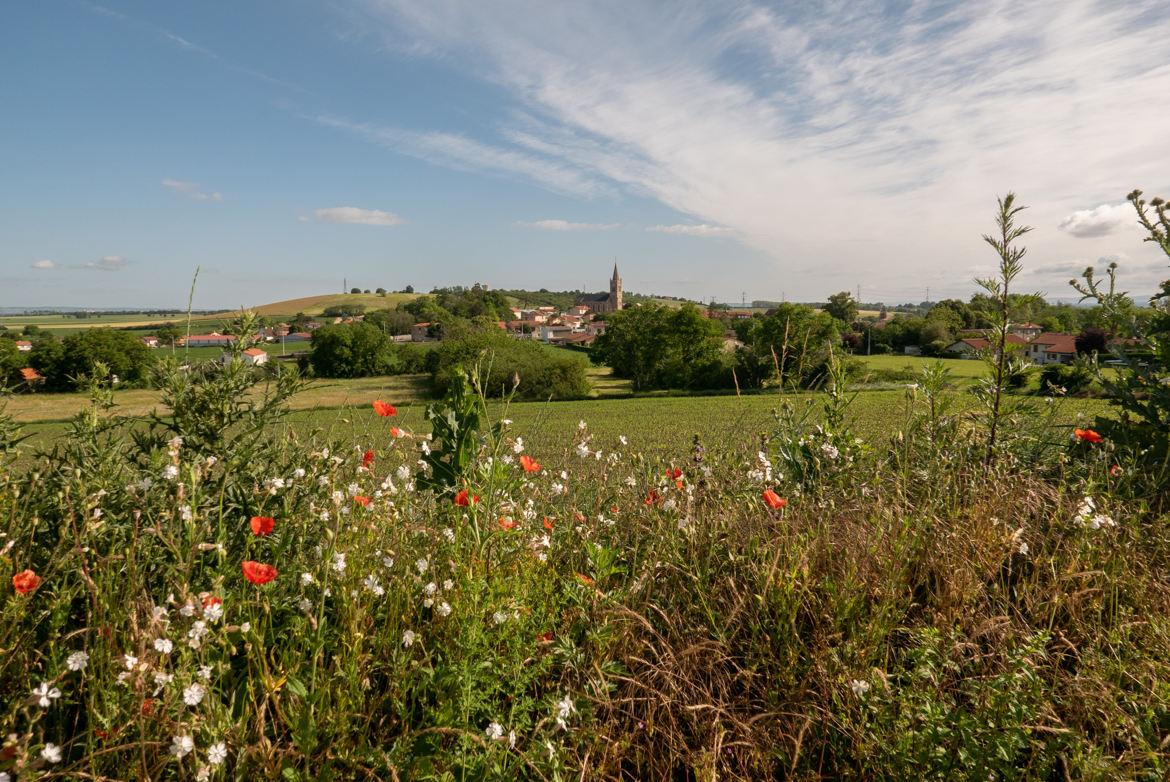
(842, 307)
(351, 350)
(657, 347)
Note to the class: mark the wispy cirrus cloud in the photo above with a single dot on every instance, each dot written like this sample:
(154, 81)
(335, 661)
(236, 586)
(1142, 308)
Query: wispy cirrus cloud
(565, 225)
(701, 229)
(191, 190)
(107, 263)
(354, 216)
(804, 127)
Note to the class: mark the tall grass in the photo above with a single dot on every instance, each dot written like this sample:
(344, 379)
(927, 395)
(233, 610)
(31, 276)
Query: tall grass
(910, 611)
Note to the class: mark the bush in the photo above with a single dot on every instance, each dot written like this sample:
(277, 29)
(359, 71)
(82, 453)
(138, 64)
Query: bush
(502, 364)
(1064, 379)
(352, 350)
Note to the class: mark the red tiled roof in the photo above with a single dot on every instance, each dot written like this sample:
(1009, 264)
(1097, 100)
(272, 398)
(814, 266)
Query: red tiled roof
(1060, 343)
(254, 352)
(29, 374)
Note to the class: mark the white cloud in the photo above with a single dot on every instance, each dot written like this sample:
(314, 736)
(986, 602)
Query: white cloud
(354, 215)
(191, 189)
(44, 264)
(1101, 221)
(691, 230)
(107, 263)
(823, 134)
(564, 225)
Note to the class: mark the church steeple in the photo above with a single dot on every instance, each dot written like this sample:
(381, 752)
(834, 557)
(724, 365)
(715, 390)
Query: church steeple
(615, 289)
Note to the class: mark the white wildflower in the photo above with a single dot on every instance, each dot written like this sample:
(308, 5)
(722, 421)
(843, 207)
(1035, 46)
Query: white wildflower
(163, 645)
(77, 661)
(217, 753)
(170, 472)
(371, 583)
(403, 473)
(213, 613)
(431, 588)
(306, 604)
(187, 610)
(185, 513)
(161, 680)
(205, 672)
(518, 447)
(829, 450)
(444, 609)
(338, 562)
(408, 638)
(299, 472)
(422, 565)
(499, 617)
(130, 661)
(860, 687)
(495, 731)
(46, 695)
(582, 450)
(181, 746)
(565, 709)
(306, 579)
(51, 753)
(193, 695)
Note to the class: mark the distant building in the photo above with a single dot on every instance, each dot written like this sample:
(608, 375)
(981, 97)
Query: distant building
(421, 332)
(253, 357)
(23, 345)
(1052, 347)
(31, 377)
(212, 340)
(150, 342)
(604, 302)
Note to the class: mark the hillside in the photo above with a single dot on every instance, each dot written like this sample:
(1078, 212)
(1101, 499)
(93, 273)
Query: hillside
(315, 305)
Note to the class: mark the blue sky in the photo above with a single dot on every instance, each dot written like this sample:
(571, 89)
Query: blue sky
(787, 149)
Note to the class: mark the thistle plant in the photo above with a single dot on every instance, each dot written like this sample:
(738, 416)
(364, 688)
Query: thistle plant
(991, 391)
(1140, 383)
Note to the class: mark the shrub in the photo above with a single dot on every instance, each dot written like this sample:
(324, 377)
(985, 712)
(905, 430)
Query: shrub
(503, 366)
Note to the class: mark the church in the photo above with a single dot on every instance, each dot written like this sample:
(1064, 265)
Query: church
(604, 302)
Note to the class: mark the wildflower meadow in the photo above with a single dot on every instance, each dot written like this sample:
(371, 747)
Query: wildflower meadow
(210, 593)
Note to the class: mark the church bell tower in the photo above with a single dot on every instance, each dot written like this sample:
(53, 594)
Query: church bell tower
(615, 289)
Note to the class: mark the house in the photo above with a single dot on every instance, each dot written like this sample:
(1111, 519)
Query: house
(424, 332)
(252, 357)
(150, 342)
(969, 347)
(1028, 331)
(553, 333)
(23, 345)
(578, 310)
(296, 336)
(31, 377)
(604, 302)
(1053, 347)
(212, 340)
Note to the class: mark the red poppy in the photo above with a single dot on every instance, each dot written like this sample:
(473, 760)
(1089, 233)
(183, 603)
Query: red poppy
(585, 579)
(507, 523)
(258, 573)
(578, 517)
(548, 524)
(361, 499)
(262, 525)
(147, 705)
(653, 497)
(463, 499)
(384, 408)
(773, 499)
(529, 464)
(25, 581)
(1088, 435)
(211, 600)
(394, 430)
(674, 475)
(367, 458)
(546, 638)
(1116, 470)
